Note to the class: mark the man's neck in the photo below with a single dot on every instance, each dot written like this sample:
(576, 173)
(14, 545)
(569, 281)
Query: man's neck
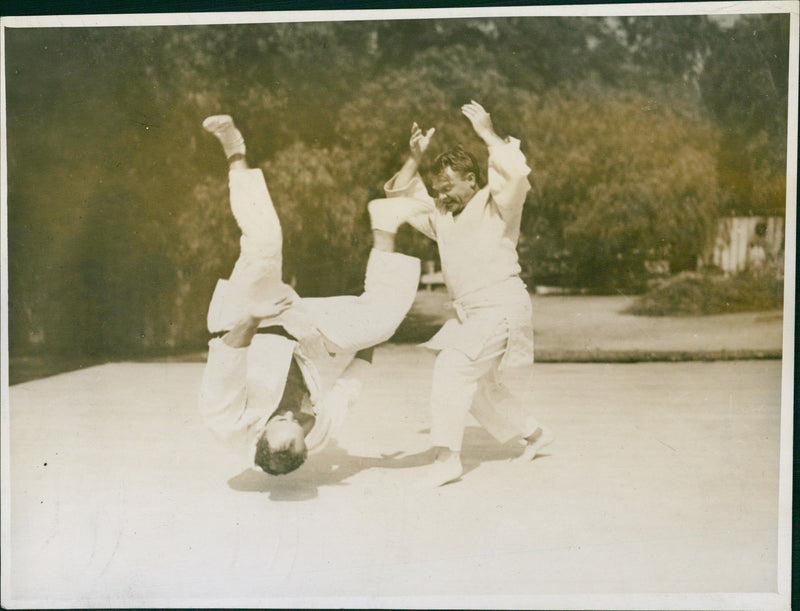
(295, 394)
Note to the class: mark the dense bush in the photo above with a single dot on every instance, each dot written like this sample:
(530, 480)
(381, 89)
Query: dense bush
(619, 179)
(698, 293)
(118, 220)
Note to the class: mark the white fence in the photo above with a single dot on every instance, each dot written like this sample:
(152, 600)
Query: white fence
(746, 241)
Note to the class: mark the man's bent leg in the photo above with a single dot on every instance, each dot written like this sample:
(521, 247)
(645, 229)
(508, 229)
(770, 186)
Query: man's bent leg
(388, 214)
(350, 324)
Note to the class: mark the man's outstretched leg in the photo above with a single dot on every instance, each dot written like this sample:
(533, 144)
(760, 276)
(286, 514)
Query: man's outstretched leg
(257, 276)
(351, 323)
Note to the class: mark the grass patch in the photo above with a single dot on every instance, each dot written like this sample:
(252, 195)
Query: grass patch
(701, 293)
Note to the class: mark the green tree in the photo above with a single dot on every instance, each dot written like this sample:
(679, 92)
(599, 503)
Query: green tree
(745, 88)
(322, 207)
(618, 179)
(113, 182)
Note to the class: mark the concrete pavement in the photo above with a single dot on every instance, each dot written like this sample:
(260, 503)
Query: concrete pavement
(663, 480)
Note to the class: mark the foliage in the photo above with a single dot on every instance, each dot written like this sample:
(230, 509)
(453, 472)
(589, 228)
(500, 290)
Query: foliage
(700, 293)
(118, 219)
(323, 215)
(745, 89)
(739, 76)
(621, 179)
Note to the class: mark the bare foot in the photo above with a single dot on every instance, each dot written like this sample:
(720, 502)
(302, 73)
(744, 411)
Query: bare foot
(535, 443)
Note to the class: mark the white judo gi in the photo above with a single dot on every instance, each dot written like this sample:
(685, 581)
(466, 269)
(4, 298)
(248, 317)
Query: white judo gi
(493, 328)
(241, 387)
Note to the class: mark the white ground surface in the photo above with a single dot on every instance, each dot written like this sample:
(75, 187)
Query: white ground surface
(663, 479)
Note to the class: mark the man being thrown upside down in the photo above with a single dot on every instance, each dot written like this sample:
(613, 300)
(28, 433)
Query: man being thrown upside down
(260, 387)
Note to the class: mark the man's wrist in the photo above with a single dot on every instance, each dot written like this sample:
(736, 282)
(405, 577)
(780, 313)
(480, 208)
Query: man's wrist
(491, 138)
(242, 333)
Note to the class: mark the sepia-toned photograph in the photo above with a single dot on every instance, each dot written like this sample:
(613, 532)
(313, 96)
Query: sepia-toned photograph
(486, 308)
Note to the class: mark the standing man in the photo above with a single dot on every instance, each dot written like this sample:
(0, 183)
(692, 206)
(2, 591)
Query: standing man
(260, 388)
(476, 226)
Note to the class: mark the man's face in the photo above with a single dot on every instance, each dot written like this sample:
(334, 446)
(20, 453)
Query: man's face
(284, 431)
(453, 189)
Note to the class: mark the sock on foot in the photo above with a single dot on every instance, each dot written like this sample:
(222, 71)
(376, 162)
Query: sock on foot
(230, 137)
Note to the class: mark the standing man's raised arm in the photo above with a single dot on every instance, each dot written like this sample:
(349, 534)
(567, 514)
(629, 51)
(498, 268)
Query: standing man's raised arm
(407, 200)
(508, 170)
(418, 144)
(482, 123)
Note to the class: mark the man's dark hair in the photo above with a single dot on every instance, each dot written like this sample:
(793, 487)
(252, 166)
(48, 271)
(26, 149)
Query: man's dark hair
(279, 461)
(460, 161)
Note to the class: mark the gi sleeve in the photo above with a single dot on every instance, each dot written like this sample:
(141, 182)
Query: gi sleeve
(416, 190)
(223, 390)
(508, 178)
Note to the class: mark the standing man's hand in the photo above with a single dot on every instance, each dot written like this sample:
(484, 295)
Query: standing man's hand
(419, 141)
(417, 144)
(481, 123)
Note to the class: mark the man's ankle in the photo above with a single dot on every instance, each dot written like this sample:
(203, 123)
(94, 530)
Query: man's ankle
(238, 161)
(383, 240)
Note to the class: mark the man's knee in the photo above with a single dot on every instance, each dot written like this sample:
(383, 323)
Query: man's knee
(452, 362)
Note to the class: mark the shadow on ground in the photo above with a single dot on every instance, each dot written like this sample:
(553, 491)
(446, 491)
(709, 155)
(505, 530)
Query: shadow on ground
(334, 466)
